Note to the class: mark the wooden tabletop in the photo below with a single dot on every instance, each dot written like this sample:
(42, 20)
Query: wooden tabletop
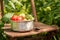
(43, 28)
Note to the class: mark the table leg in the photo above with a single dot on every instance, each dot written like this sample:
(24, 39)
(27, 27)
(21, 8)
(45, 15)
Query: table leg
(51, 34)
(12, 39)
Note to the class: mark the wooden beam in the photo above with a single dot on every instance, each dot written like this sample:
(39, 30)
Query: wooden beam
(33, 10)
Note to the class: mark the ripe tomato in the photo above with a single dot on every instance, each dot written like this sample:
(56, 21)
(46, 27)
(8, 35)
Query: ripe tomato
(14, 18)
(17, 18)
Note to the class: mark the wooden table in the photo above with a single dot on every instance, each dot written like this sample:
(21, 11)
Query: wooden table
(43, 28)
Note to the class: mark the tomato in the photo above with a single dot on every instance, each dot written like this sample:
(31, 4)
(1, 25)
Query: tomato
(14, 18)
(17, 18)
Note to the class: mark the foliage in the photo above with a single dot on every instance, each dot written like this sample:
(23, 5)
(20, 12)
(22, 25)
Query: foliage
(6, 18)
(16, 6)
(2, 31)
(47, 10)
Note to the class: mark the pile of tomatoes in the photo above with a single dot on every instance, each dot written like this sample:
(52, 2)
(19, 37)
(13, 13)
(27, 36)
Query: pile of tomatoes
(22, 17)
(17, 18)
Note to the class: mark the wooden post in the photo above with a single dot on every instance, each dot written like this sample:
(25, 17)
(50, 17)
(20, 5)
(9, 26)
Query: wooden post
(0, 11)
(33, 10)
(2, 8)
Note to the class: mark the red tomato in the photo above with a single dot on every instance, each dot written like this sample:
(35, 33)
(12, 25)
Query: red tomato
(17, 18)
(14, 18)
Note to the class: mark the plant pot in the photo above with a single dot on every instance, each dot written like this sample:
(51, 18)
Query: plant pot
(22, 26)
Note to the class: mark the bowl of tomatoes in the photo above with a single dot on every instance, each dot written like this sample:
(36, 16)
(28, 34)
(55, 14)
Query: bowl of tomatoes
(22, 23)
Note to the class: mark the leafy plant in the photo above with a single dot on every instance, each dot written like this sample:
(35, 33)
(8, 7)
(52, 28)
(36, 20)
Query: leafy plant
(16, 6)
(48, 11)
(2, 37)
(6, 18)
